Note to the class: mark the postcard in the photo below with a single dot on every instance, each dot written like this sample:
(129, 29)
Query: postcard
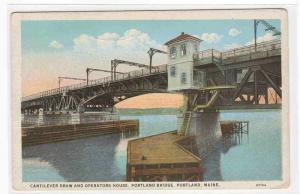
(173, 99)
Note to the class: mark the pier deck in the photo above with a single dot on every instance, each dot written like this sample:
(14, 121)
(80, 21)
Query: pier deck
(161, 158)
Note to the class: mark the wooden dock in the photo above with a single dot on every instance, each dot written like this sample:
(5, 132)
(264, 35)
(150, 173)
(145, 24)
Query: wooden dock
(161, 158)
(55, 133)
(232, 127)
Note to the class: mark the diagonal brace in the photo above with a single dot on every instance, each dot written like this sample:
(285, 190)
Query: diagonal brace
(271, 82)
(242, 84)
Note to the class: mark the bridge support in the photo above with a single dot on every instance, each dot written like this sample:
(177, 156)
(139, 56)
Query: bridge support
(261, 82)
(41, 117)
(75, 118)
(205, 127)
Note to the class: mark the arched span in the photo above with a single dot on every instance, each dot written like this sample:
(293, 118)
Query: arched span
(110, 99)
(152, 100)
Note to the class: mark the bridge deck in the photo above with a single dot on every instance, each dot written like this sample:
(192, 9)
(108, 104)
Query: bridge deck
(246, 53)
(106, 80)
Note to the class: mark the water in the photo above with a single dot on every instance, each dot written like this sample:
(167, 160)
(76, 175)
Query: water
(104, 158)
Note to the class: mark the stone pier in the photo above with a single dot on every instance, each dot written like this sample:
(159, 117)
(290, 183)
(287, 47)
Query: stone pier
(205, 127)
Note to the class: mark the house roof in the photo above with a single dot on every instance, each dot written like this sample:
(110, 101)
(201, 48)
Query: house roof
(182, 37)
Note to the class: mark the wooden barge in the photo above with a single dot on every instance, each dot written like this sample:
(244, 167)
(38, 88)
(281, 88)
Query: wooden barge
(55, 133)
(161, 158)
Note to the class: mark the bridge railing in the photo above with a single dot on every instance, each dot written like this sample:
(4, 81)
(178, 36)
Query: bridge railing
(263, 49)
(119, 77)
(129, 75)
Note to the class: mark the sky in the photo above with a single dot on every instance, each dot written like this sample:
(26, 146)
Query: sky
(67, 47)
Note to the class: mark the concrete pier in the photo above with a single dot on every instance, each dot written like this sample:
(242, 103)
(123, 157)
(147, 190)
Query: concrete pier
(75, 118)
(204, 127)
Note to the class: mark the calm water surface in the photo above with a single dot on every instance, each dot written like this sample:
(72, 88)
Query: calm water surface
(103, 158)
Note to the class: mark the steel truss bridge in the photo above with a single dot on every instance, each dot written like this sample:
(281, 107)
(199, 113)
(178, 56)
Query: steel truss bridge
(245, 77)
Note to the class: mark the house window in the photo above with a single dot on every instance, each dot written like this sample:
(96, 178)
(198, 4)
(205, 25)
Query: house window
(173, 71)
(183, 78)
(173, 52)
(196, 47)
(183, 50)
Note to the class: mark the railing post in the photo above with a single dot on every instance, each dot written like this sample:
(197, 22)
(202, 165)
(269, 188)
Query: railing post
(221, 57)
(212, 55)
(234, 59)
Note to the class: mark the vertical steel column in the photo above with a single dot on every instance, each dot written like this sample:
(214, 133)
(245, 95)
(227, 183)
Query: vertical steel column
(255, 34)
(59, 84)
(151, 53)
(255, 88)
(111, 69)
(87, 76)
(266, 95)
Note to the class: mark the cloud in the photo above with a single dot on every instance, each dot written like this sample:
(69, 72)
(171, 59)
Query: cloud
(211, 37)
(132, 45)
(83, 39)
(233, 32)
(136, 39)
(94, 51)
(131, 39)
(197, 36)
(266, 37)
(55, 44)
(231, 46)
(107, 39)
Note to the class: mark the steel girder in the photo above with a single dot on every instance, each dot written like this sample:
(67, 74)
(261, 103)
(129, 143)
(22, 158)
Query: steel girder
(100, 96)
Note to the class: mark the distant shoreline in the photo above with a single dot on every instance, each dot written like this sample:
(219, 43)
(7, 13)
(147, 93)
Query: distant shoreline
(175, 111)
(150, 111)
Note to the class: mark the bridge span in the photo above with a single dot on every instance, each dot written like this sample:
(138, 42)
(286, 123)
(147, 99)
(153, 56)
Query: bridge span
(245, 77)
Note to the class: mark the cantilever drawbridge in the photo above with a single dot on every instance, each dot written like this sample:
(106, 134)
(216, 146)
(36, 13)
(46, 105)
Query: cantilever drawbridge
(244, 77)
(238, 78)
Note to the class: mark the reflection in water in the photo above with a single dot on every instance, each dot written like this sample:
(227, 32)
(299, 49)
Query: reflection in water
(36, 166)
(258, 154)
(103, 158)
(209, 143)
(80, 160)
(212, 161)
(120, 157)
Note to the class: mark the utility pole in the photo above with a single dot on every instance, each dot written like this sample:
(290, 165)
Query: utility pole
(268, 26)
(116, 62)
(151, 52)
(70, 78)
(90, 70)
(255, 34)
